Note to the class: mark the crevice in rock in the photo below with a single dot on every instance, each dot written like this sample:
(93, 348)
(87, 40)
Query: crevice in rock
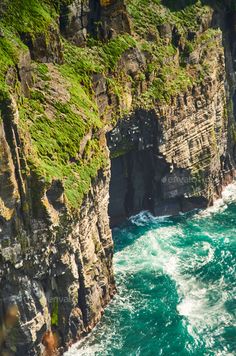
(82, 291)
(14, 143)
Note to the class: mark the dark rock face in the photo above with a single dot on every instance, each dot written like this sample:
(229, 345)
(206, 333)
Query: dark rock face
(142, 181)
(74, 21)
(177, 158)
(129, 191)
(114, 19)
(103, 19)
(46, 47)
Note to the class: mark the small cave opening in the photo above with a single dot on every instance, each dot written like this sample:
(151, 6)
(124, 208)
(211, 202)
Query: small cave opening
(132, 184)
(134, 161)
(143, 180)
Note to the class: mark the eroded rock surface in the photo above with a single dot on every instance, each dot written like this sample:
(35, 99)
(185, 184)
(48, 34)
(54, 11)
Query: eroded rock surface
(56, 269)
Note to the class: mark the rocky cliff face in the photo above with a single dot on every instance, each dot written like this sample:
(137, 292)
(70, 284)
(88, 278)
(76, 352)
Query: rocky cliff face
(78, 78)
(103, 19)
(56, 268)
(178, 156)
(173, 158)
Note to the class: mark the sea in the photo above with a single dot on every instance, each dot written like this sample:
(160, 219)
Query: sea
(176, 281)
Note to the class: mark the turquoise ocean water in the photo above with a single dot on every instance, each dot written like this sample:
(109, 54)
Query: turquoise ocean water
(176, 279)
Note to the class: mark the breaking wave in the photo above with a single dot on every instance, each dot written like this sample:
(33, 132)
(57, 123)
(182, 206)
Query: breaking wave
(176, 279)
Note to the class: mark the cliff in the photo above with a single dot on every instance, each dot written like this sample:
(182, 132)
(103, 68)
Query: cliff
(131, 102)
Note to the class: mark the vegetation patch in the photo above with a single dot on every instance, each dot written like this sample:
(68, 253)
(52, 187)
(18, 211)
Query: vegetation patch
(28, 16)
(56, 127)
(56, 140)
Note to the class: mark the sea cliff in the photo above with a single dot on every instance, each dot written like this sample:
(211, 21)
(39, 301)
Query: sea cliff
(106, 108)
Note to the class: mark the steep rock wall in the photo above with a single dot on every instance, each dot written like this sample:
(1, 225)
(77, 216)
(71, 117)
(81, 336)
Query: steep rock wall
(177, 152)
(56, 268)
(177, 157)
(102, 18)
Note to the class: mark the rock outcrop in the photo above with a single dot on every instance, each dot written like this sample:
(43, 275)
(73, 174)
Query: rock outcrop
(175, 158)
(104, 19)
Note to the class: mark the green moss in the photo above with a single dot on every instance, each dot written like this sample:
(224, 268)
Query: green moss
(28, 16)
(56, 141)
(10, 49)
(189, 18)
(170, 81)
(168, 66)
(43, 72)
(20, 17)
(55, 312)
(81, 62)
(148, 15)
(98, 58)
(56, 137)
(55, 146)
(112, 51)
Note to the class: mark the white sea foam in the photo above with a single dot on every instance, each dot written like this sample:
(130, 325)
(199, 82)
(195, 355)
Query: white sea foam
(145, 217)
(157, 251)
(228, 196)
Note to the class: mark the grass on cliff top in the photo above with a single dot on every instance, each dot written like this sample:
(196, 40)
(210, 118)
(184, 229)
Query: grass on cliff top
(28, 16)
(148, 15)
(16, 18)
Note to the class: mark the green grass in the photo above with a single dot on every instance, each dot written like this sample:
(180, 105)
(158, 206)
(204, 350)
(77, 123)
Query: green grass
(28, 16)
(189, 18)
(170, 73)
(20, 17)
(10, 49)
(55, 140)
(148, 15)
(113, 50)
(169, 82)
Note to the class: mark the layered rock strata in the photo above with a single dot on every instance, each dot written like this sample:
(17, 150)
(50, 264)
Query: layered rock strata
(56, 267)
(174, 158)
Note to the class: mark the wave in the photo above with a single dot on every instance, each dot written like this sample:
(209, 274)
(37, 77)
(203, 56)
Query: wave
(228, 197)
(145, 217)
(199, 259)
